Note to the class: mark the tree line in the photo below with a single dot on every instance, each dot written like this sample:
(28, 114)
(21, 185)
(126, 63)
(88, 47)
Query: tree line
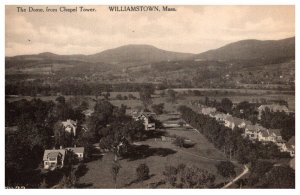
(230, 141)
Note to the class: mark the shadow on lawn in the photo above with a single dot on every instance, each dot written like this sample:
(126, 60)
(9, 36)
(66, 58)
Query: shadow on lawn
(154, 134)
(81, 170)
(83, 185)
(188, 145)
(144, 151)
(137, 181)
(94, 157)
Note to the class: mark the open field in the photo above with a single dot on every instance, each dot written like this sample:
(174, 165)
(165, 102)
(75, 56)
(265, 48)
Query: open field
(250, 95)
(157, 155)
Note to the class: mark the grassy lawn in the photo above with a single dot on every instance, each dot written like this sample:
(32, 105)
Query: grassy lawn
(157, 154)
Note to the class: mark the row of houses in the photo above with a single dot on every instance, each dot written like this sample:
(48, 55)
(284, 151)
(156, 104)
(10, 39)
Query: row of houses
(272, 108)
(253, 132)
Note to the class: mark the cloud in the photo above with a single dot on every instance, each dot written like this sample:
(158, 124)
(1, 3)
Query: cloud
(190, 29)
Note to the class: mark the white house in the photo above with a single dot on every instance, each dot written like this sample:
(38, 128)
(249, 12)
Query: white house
(88, 112)
(233, 122)
(79, 151)
(70, 126)
(270, 135)
(290, 145)
(219, 116)
(54, 159)
(244, 123)
(208, 110)
(252, 131)
(272, 108)
(147, 118)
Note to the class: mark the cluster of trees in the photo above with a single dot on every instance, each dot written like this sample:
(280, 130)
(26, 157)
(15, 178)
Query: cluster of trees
(244, 109)
(184, 176)
(158, 108)
(171, 96)
(112, 128)
(226, 169)
(263, 174)
(35, 122)
(230, 141)
(129, 97)
(279, 120)
(145, 95)
(39, 127)
(70, 87)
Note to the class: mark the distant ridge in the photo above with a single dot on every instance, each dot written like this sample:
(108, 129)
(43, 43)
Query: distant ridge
(137, 53)
(144, 54)
(251, 49)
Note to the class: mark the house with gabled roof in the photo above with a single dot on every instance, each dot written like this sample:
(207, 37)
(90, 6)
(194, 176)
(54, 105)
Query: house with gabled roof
(270, 135)
(208, 110)
(219, 116)
(252, 131)
(78, 151)
(290, 145)
(232, 122)
(54, 159)
(146, 117)
(70, 126)
(272, 108)
(88, 112)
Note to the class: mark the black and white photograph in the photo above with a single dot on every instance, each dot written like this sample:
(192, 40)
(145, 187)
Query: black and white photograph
(144, 96)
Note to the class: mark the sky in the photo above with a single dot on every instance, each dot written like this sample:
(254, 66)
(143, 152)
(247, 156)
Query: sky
(191, 29)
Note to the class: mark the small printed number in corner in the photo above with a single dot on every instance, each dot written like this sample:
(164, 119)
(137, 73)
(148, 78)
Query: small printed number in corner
(14, 187)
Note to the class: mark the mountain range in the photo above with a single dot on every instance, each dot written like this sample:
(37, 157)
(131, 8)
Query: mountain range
(143, 54)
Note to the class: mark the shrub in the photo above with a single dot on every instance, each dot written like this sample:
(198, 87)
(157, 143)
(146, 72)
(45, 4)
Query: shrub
(179, 141)
(142, 172)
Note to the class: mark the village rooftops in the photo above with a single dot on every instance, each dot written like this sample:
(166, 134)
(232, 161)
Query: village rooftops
(88, 112)
(208, 110)
(219, 116)
(275, 131)
(264, 134)
(271, 132)
(136, 114)
(274, 107)
(148, 114)
(255, 127)
(291, 143)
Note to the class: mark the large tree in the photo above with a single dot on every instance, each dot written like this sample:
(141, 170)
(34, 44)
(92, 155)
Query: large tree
(279, 177)
(226, 105)
(145, 95)
(226, 169)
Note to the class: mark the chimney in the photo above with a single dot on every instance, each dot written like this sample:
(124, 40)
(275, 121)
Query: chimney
(74, 145)
(60, 147)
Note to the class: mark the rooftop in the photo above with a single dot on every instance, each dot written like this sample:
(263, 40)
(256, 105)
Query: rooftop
(76, 149)
(53, 153)
(273, 107)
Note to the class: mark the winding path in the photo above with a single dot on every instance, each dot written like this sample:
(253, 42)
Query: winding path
(246, 170)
